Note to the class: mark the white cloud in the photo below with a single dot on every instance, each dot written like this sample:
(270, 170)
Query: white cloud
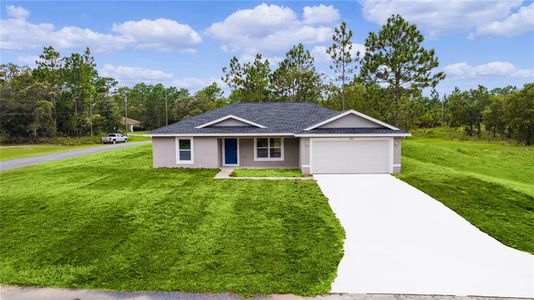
(28, 60)
(196, 83)
(19, 34)
(438, 16)
(268, 29)
(320, 55)
(321, 14)
(458, 69)
(160, 34)
(17, 12)
(75, 37)
(249, 58)
(517, 23)
(491, 69)
(132, 75)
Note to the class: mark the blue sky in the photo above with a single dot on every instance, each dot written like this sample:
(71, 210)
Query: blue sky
(186, 44)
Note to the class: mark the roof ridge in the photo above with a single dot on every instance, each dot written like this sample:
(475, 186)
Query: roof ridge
(276, 102)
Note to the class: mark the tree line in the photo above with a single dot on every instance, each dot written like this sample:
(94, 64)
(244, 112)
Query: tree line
(502, 112)
(65, 96)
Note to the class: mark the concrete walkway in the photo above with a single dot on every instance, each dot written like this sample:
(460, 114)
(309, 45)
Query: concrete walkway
(224, 173)
(36, 293)
(33, 160)
(400, 240)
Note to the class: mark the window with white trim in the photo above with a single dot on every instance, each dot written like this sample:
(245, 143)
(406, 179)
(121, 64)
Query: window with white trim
(184, 151)
(268, 149)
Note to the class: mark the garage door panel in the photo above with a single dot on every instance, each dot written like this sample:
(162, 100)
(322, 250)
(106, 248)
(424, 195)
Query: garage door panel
(351, 156)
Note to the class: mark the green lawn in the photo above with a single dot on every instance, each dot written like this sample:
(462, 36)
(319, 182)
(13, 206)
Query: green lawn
(138, 137)
(491, 185)
(266, 173)
(87, 224)
(21, 151)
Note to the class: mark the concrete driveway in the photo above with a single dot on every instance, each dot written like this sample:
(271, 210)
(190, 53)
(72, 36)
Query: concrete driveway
(33, 160)
(400, 240)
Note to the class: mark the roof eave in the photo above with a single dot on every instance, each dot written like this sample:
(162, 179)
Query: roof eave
(353, 135)
(219, 134)
(281, 134)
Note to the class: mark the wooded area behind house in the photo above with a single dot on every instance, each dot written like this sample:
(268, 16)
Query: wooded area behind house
(64, 96)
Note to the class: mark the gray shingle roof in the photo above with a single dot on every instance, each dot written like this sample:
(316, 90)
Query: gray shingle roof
(277, 117)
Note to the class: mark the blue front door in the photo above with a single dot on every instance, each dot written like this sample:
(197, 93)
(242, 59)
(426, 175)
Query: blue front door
(230, 151)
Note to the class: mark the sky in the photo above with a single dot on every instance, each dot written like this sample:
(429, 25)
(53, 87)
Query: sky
(187, 43)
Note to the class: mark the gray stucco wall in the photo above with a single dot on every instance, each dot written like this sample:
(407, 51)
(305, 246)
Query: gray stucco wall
(396, 155)
(304, 157)
(206, 153)
(350, 121)
(230, 122)
(164, 152)
(291, 154)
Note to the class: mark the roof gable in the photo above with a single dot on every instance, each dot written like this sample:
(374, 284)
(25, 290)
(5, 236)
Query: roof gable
(230, 121)
(351, 119)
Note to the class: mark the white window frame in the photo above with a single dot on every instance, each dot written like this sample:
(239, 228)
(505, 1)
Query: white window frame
(282, 149)
(177, 150)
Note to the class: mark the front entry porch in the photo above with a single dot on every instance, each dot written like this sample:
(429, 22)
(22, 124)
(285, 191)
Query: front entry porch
(259, 152)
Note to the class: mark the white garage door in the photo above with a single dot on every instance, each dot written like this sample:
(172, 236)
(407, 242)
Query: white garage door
(356, 155)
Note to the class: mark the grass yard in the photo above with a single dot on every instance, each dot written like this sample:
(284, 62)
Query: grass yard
(21, 151)
(244, 172)
(138, 137)
(83, 223)
(491, 185)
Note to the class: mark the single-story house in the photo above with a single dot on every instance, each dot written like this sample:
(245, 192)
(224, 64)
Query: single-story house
(300, 135)
(130, 123)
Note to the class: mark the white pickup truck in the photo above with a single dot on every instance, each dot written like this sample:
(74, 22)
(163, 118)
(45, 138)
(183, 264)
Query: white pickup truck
(114, 138)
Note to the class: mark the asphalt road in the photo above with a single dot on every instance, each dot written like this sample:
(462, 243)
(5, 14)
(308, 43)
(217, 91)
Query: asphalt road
(38, 293)
(28, 161)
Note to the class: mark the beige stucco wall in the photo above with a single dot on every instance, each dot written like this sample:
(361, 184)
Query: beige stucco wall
(291, 154)
(206, 153)
(350, 121)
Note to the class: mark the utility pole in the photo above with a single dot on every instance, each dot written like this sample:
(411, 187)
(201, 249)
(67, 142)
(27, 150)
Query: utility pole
(91, 114)
(166, 111)
(443, 110)
(126, 113)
